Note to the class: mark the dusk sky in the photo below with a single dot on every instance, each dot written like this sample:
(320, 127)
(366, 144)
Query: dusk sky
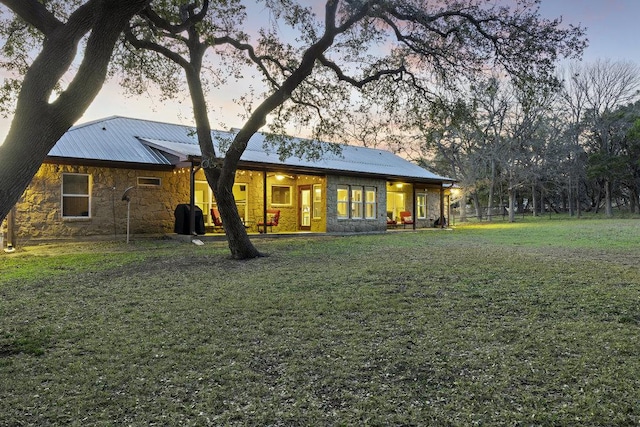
(611, 25)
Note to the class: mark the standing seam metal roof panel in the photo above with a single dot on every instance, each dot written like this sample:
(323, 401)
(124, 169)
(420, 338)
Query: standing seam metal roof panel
(121, 139)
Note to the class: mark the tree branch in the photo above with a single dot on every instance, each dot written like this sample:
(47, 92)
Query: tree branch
(189, 19)
(149, 45)
(361, 83)
(35, 14)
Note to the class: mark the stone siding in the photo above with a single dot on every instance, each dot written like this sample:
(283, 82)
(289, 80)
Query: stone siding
(39, 215)
(340, 225)
(39, 211)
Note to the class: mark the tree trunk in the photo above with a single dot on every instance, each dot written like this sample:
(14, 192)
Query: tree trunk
(37, 124)
(534, 200)
(608, 203)
(491, 190)
(463, 205)
(633, 208)
(219, 179)
(476, 203)
(570, 196)
(240, 245)
(512, 204)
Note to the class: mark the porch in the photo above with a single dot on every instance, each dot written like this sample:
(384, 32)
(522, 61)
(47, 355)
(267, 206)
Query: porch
(305, 203)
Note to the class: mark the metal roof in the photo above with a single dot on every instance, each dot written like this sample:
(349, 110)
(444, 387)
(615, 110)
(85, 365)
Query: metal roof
(120, 139)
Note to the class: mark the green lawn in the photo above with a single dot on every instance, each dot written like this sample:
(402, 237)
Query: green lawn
(533, 323)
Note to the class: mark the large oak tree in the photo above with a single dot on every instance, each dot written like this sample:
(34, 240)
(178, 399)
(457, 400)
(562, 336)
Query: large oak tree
(388, 50)
(38, 121)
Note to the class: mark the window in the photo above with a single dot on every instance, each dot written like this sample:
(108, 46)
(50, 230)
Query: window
(421, 205)
(356, 202)
(76, 195)
(317, 201)
(145, 181)
(280, 195)
(343, 201)
(370, 203)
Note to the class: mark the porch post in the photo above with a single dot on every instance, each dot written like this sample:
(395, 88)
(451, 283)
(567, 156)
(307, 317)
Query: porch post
(264, 201)
(442, 206)
(192, 201)
(11, 230)
(414, 210)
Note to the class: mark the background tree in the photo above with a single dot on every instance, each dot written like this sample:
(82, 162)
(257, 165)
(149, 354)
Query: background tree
(573, 104)
(38, 122)
(602, 87)
(620, 162)
(449, 136)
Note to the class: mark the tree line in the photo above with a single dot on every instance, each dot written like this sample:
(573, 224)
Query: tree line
(571, 146)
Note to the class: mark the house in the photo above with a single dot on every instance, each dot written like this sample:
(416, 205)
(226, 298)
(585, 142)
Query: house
(80, 188)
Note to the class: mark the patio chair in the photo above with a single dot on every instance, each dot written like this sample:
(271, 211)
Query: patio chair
(406, 218)
(391, 223)
(273, 216)
(216, 219)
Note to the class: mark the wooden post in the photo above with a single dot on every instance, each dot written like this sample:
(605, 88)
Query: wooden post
(264, 202)
(442, 219)
(414, 210)
(192, 201)
(11, 230)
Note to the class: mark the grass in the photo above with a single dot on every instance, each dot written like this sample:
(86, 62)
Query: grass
(533, 323)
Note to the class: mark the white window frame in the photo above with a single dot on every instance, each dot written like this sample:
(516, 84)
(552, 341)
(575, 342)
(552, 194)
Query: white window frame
(357, 202)
(76, 195)
(316, 200)
(370, 203)
(422, 214)
(344, 202)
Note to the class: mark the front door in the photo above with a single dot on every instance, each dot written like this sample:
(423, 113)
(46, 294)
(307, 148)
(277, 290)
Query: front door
(304, 207)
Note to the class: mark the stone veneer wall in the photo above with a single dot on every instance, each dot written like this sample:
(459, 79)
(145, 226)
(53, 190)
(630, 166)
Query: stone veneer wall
(355, 225)
(433, 206)
(288, 213)
(39, 211)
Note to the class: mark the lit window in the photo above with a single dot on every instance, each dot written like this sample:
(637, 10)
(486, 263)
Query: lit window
(343, 201)
(421, 205)
(280, 195)
(370, 203)
(76, 195)
(317, 201)
(356, 203)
